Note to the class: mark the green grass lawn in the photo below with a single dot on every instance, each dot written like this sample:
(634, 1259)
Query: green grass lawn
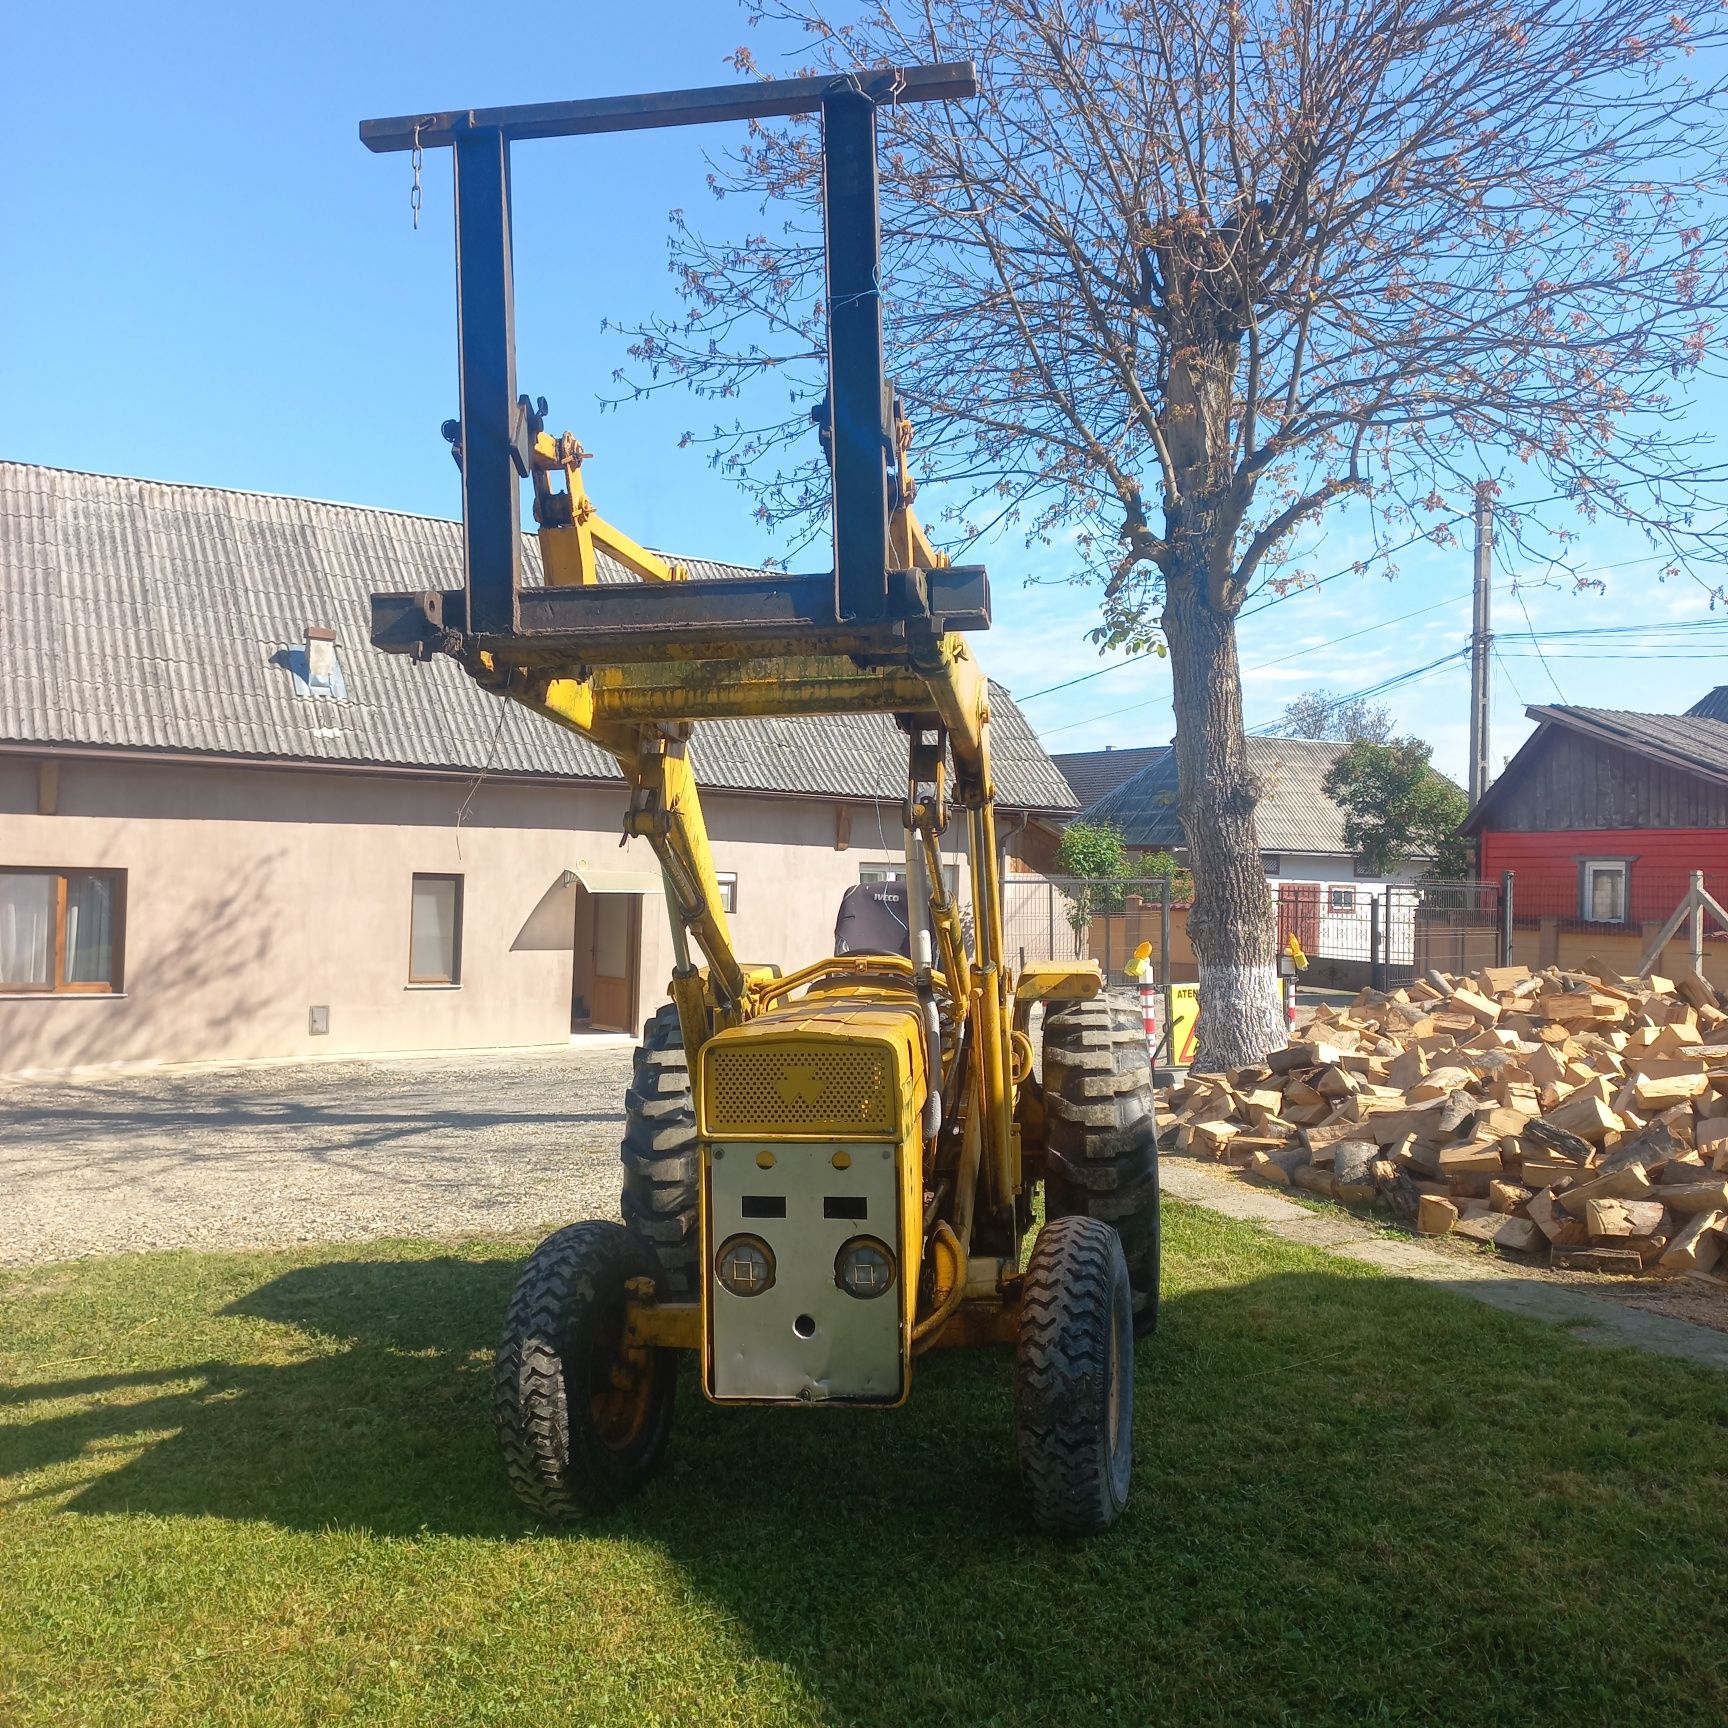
(261, 1488)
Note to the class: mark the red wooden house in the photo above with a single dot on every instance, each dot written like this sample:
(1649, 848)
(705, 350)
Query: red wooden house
(1602, 816)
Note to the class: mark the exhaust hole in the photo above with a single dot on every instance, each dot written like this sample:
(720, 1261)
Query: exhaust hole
(804, 1326)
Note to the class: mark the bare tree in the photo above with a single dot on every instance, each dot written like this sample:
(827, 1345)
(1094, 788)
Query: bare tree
(1183, 277)
(1338, 719)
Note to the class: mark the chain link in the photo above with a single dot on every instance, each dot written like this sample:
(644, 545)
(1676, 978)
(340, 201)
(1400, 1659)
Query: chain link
(416, 158)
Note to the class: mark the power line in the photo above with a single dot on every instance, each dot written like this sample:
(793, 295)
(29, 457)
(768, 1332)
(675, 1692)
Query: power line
(1349, 569)
(1397, 681)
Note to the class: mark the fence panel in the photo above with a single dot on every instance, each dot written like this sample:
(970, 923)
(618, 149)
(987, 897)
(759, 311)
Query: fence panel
(1069, 918)
(1442, 926)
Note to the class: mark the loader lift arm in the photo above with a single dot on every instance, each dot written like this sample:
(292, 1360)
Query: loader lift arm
(633, 666)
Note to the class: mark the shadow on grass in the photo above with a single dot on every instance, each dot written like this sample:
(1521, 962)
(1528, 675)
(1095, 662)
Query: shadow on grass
(1348, 1491)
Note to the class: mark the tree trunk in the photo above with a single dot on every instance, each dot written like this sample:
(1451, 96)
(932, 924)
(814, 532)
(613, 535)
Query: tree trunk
(1231, 922)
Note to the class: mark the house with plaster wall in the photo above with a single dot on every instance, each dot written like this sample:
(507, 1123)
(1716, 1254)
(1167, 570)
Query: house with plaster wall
(231, 830)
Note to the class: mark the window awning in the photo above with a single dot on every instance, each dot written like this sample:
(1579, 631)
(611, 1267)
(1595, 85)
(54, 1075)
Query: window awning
(616, 881)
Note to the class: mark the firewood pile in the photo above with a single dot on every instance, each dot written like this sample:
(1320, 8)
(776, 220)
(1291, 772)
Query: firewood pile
(1577, 1117)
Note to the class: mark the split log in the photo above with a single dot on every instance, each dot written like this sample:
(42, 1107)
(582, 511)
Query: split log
(1628, 1184)
(1434, 1216)
(1699, 1245)
(1395, 1188)
(1615, 1260)
(1607, 1218)
(1561, 1228)
(1515, 1235)
(1508, 1197)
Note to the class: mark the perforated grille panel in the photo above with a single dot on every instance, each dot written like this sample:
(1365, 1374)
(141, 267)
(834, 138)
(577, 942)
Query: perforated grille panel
(804, 1089)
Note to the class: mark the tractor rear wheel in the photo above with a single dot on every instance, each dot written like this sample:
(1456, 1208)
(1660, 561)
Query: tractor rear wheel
(582, 1419)
(659, 1152)
(1102, 1134)
(1074, 1379)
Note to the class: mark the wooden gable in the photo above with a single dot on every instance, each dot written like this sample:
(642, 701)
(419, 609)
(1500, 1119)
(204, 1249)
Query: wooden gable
(1561, 780)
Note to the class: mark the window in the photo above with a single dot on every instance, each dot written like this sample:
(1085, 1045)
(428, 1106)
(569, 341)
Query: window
(435, 931)
(1341, 900)
(1360, 870)
(1602, 890)
(897, 873)
(728, 880)
(1271, 863)
(61, 931)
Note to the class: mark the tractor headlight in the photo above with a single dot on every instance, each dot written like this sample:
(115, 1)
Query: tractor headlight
(745, 1265)
(864, 1268)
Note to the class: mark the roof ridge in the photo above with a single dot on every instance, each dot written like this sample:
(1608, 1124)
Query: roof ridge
(322, 503)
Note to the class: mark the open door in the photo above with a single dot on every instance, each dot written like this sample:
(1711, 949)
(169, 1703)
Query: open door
(616, 950)
(606, 944)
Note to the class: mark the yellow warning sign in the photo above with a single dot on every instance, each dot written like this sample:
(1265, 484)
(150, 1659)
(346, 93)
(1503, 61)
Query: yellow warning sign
(1185, 1023)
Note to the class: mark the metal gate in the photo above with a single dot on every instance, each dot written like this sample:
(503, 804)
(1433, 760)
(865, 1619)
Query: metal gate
(1443, 927)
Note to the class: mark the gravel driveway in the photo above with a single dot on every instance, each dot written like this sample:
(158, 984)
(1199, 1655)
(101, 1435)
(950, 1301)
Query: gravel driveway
(326, 1152)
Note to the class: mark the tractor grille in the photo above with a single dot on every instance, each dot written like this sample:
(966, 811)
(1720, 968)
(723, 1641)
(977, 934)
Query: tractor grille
(805, 1089)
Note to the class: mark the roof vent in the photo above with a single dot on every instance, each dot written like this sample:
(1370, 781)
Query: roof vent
(316, 670)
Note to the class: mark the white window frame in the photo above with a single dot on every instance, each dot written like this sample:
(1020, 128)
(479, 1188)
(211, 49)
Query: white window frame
(1587, 868)
(728, 881)
(897, 873)
(1340, 899)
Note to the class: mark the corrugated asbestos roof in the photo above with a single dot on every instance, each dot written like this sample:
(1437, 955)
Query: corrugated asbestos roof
(1295, 814)
(1092, 773)
(140, 615)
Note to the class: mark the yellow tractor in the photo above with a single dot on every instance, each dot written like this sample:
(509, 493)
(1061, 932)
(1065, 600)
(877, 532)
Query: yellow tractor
(831, 1170)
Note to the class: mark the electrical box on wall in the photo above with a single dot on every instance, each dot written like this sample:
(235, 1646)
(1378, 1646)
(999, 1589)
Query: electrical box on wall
(318, 1021)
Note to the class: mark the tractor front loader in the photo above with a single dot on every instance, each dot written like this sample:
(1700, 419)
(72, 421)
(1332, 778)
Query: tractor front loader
(828, 1171)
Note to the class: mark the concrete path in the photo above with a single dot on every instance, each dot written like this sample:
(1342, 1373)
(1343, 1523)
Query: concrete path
(1589, 1319)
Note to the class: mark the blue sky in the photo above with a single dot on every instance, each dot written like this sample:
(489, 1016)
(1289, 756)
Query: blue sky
(204, 277)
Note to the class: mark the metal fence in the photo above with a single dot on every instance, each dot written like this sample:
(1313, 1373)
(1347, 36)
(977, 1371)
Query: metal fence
(1385, 934)
(1071, 918)
(1607, 896)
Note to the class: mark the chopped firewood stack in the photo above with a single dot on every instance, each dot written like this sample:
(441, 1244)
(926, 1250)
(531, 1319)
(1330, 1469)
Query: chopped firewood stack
(1579, 1117)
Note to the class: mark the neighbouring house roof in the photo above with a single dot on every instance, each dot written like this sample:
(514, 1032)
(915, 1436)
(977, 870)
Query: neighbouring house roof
(1295, 813)
(1092, 773)
(1713, 706)
(1695, 742)
(140, 615)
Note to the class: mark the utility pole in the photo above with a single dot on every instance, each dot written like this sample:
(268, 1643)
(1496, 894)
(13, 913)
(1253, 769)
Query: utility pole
(1480, 638)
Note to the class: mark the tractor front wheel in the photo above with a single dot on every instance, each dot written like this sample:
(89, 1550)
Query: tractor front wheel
(1103, 1134)
(1074, 1378)
(583, 1418)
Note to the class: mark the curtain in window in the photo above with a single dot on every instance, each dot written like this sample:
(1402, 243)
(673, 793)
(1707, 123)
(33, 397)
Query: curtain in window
(1605, 890)
(89, 930)
(26, 930)
(432, 929)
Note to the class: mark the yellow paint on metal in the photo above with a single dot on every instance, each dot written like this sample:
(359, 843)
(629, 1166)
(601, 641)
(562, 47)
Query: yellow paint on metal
(817, 1069)
(1058, 981)
(765, 1159)
(663, 1325)
(841, 1160)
